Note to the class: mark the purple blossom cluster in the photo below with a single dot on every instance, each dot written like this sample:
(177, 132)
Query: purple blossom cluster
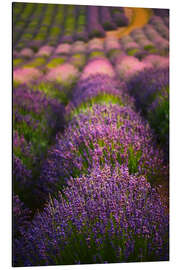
(45, 51)
(36, 120)
(99, 88)
(79, 47)
(102, 135)
(65, 74)
(151, 91)
(160, 26)
(95, 45)
(32, 106)
(128, 43)
(21, 216)
(98, 66)
(160, 42)
(111, 43)
(147, 84)
(139, 36)
(22, 155)
(107, 216)
(128, 67)
(21, 221)
(157, 61)
(26, 75)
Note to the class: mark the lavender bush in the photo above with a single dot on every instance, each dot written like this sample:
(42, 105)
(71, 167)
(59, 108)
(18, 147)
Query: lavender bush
(151, 91)
(21, 217)
(129, 66)
(25, 75)
(99, 89)
(98, 66)
(107, 216)
(102, 135)
(36, 120)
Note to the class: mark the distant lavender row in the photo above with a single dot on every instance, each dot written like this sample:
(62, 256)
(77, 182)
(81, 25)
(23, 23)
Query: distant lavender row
(140, 43)
(41, 24)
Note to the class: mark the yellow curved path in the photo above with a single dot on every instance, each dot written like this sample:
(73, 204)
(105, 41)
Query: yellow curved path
(138, 18)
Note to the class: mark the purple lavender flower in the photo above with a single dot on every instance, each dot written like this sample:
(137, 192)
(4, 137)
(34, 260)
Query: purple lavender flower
(95, 45)
(45, 51)
(159, 25)
(107, 216)
(63, 49)
(146, 85)
(111, 43)
(21, 217)
(102, 135)
(94, 27)
(26, 75)
(129, 44)
(129, 66)
(150, 89)
(156, 38)
(157, 61)
(36, 119)
(78, 47)
(142, 40)
(64, 74)
(98, 66)
(26, 52)
(98, 89)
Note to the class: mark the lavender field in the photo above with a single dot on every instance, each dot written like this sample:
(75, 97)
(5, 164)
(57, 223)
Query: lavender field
(90, 134)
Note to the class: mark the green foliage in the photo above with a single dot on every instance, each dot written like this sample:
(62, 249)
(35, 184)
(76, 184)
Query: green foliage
(96, 54)
(112, 54)
(17, 62)
(39, 61)
(55, 62)
(159, 117)
(78, 60)
(102, 98)
(51, 90)
(132, 51)
(81, 246)
(96, 33)
(133, 160)
(108, 26)
(55, 31)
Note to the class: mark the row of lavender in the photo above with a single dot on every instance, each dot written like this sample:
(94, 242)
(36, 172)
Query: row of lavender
(97, 157)
(140, 43)
(38, 24)
(102, 207)
(66, 62)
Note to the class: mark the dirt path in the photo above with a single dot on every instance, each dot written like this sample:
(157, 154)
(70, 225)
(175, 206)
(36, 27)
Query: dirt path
(138, 18)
